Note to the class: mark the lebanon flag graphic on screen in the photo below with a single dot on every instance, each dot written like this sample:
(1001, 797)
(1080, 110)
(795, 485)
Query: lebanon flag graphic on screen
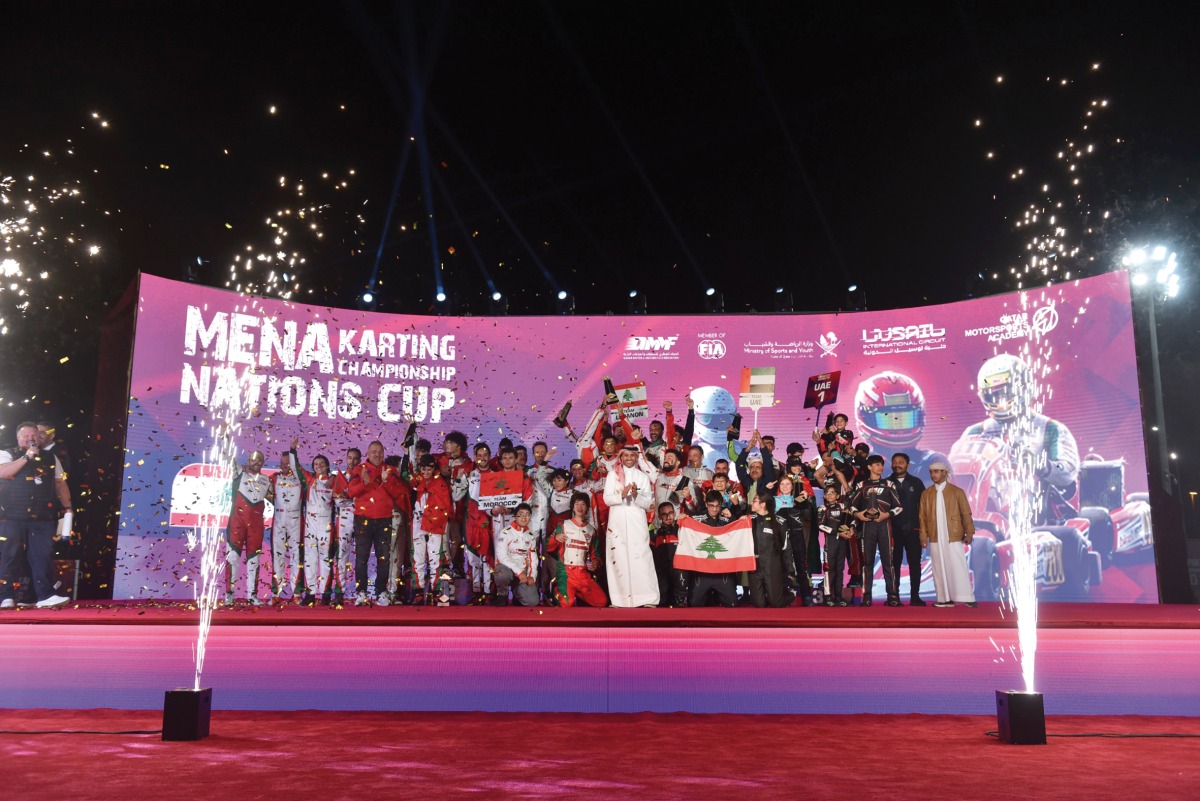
(715, 549)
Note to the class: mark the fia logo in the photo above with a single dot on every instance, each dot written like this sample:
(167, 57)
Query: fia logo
(829, 344)
(711, 349)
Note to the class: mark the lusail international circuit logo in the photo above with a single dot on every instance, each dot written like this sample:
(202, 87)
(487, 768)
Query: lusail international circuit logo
(829, 344)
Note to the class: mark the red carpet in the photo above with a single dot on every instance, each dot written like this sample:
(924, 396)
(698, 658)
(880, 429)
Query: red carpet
(644, 757)
(1050, 616)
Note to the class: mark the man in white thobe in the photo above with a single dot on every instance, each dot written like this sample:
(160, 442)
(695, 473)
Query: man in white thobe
(946, 525)
(629, 495)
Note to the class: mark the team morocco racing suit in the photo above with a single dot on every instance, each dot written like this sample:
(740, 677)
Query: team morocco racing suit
(577, 555)
(431, 552)
(286, 533)
(343, 533)
(245, 532)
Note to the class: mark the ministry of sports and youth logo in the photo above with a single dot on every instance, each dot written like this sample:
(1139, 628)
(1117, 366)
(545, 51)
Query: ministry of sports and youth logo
(829, 343)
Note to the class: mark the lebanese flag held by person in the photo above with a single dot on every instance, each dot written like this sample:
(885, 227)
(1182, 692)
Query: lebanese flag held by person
(715, 549)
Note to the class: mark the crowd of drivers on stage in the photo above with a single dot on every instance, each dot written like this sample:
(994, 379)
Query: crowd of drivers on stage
(416, 526)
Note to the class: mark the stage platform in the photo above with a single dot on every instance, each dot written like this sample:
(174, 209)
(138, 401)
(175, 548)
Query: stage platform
(1091, 658)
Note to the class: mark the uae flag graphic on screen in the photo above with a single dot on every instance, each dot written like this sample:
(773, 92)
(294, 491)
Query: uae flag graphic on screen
(758, 387)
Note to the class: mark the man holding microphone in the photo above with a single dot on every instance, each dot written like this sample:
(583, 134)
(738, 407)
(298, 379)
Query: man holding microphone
(33, 491)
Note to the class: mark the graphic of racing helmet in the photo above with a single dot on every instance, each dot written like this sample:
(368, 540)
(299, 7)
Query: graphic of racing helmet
(714, 406)
(890, 410)
(1002, 384)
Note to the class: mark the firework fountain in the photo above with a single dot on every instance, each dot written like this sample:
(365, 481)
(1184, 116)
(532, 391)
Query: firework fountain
(1058, 222)
(186, 710)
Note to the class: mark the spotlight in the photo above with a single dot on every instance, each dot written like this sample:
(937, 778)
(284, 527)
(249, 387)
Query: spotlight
(498, 305)
(856, 299)
(441, 296)
(368, 300)
(636, 302)
(714, 302)
(710, 291)
(566, 302)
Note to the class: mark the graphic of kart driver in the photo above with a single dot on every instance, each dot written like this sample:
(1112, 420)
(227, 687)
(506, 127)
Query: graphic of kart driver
(1004, 385)
(715, 409)
(889, 410)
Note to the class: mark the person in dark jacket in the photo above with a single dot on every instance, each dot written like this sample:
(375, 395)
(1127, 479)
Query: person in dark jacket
(906, 527)
(773, 555)
(673, 584)
(756, 469)
(722, 585)
(796, 518)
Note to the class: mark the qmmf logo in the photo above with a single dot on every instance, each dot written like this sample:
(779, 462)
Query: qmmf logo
(640, 347)
(829, 344)
(711, 349)
(650, 343)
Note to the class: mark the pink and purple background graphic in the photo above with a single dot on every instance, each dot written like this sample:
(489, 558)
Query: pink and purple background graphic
(512, 374)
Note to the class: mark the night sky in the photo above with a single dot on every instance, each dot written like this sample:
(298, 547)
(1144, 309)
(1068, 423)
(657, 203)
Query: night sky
(593, 147)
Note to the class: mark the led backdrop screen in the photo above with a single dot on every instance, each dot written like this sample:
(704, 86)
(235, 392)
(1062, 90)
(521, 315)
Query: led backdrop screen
(338, 378)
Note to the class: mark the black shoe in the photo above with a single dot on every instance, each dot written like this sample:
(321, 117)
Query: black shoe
(841, 603)
(972, 604)
(829, 602)
(309, 600)
(894, 602)
(865, 602)
(916, 602)
(561, 419)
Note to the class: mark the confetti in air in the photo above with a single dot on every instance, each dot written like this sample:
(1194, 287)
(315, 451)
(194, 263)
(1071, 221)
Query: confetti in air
(295, 233)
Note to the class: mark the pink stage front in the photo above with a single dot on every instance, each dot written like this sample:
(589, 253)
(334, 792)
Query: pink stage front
(1092, 659)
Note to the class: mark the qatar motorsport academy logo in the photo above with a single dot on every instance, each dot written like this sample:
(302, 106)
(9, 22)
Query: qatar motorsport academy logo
(1019, 325)
(647, 348)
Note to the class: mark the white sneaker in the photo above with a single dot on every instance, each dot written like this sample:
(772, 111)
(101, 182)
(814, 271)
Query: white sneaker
(53, 602)
(361, 600)
(8, 603)
(229, 598)
(255, 600)
(384, 600)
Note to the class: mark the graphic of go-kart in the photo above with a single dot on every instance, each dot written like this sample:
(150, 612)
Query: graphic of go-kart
(1078, 531)
(200, 492)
